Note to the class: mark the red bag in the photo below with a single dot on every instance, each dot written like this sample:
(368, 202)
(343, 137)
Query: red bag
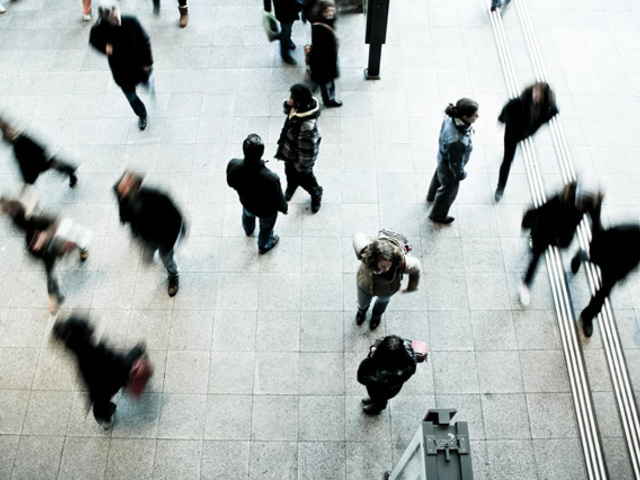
(421, 350)
(139, 376)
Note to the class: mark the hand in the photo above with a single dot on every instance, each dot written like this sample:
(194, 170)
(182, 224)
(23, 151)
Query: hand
(146, 68)
(108, 49)
(286, 212)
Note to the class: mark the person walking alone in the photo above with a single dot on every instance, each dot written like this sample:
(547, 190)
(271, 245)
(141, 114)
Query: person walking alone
(299, 144)
(523, 116)
(323, 60)
(123, 40)
(453, 155)
(259, 191)
(287, 12)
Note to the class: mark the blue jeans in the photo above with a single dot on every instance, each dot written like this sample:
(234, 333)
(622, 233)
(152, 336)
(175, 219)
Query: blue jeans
(265, 236)
(135, 102)
(364, 300)
(285, 39)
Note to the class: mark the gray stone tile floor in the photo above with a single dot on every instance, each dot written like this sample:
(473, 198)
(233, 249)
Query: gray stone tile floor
(256, 357)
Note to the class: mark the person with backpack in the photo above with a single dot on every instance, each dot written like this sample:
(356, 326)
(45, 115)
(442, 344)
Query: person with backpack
(383, 263)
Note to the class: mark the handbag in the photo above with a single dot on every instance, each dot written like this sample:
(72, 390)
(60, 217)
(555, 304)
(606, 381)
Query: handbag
(270, 25)
(139, 376)
(421, 350)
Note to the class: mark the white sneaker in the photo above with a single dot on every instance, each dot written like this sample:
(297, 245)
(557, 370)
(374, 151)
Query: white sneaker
(2, 10)
(524, 295)
(86, 18)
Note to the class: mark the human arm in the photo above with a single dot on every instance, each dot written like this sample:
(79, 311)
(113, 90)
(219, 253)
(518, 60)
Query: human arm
(98, 38)
(308, 144)
(455, 152)
(413, 268)
(144, 45)
(360, 241)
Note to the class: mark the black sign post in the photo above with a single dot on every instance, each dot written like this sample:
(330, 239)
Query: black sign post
(377, 12)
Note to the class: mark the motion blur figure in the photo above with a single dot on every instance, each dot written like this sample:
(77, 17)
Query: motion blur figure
(323, 60)
(32, 157)
(555, 223)
(183, 8)
(104, 370)
(390, 363)
(616, 251)
(48, 239)
(154, 219)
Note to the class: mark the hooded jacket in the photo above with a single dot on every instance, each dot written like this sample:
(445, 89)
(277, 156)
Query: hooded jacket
(455, 147)
(300, 138)
(258, 187)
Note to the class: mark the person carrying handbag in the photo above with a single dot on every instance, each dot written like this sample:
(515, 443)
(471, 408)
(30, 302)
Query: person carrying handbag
(287, 12)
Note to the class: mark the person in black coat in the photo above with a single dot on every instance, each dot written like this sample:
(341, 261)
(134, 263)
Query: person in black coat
(48, 239)
(127, 45)
(154, 220)
(390, 363)
(259, 190)
(323, 60)
(287, 12)
(523, 116)
(104, 370)
(555, 223)
(32, 157)
(617, 252)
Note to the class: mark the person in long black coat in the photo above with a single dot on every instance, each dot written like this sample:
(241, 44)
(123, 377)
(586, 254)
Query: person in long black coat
(555, 223)
(287, 12)
(127, 45)
(32, 157)
(523, 116)
(104, 370)
(617, 252)
(323, 61)
(390, 363)
(154, 219)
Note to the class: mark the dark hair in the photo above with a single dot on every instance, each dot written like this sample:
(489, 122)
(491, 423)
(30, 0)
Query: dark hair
(301, 95)
(392, 353)
(321, 6)
(253, 147)
(381, 249)
(548, 97)
(465, 107)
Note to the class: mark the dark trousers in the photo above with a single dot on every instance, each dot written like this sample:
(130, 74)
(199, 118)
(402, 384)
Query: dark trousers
(381, 396)
(609, 279)
(135, 102)
(265, 236)
(533, 264)
(307, 180)
(285, 39)
(328, 90)
(443, 191)
(61, 166)
(181, 3)
(510, 145)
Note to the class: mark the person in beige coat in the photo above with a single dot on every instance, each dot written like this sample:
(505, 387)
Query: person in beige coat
(384, 262)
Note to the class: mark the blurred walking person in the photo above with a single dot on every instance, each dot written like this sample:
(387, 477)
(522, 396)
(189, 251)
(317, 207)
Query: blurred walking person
(154, 219)
(183, 8)
(616, 251)
(299, 144)
(123, 40)
(523, 116)
(259, 190)
(287, 12)
(323, 60)
(453, 155)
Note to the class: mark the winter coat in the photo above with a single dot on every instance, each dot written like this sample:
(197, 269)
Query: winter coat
(388, 283)
(300, 138)
(381, 382)
(32, 158)
(518, 115)
(455, 148)
(153, 218)
(131, 50)
(287, 11)
(616, 250)
(323, 61)
(258, 187)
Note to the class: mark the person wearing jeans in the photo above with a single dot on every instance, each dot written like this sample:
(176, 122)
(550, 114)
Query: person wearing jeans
(383, 263)
(286, 12)
(259, 190)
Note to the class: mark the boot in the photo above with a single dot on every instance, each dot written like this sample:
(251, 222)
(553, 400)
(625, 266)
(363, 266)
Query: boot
(361, 316)
(316, 200)
(174, 286)
(184, 16)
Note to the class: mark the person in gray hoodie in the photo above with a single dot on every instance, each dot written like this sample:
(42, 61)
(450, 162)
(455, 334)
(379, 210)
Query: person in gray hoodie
(453, 154)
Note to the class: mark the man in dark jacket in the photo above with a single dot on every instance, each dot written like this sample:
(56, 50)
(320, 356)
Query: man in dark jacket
(154, 219)
(287, 12)
(299, 143)
(259, 191)
(617, 252)
(127, 45)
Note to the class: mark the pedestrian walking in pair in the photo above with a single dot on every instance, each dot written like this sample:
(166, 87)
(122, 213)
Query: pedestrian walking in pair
(259, 190)
(453, 155)
(126, 44)
(323, 57)
(384, 261)
(299, 144)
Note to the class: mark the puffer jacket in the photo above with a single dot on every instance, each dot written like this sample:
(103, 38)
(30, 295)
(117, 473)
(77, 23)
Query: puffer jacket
(300, 138)
(387, 284)
(455, 148)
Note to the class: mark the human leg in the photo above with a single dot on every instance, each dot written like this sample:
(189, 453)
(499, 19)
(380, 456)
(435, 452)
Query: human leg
(248, 222)
(86, 9)
(292, 180)
(65, 168)
(266, 237)
(183, 8)
(510, 145)
(309, 182)
(285, 43)
(597, 301)
(103, 410)
(445, 196)
(433, 187)
(136, 104)
(169, 261)
(156, 7)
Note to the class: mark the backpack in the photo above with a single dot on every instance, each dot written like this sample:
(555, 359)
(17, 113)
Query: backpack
(398, 237)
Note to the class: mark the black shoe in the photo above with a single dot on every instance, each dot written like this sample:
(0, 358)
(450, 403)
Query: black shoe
(587, 327)
(156, 10)
(375, 321)
(142, 122)
(289, 59)
(316, 202)
(445, 220)
(288, 195)
(274, 241)
(333, 104)
(430, 199)
(73, 180)
(367, 401)
(292, 46)
(361, 317)
(498, 195)
(577, 260)
(174, 286)
(371, 410)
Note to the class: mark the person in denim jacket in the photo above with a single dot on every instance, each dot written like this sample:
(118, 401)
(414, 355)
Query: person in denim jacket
(453, 154)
